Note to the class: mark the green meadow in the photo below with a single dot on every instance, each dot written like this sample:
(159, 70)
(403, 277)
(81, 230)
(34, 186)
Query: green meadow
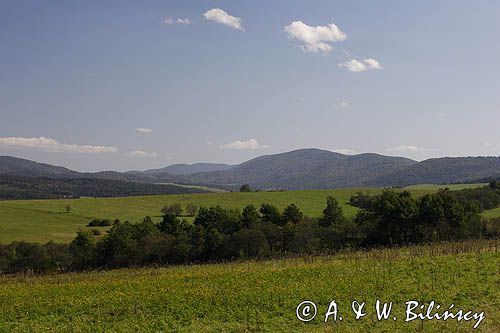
(262, 296)
(45, 220)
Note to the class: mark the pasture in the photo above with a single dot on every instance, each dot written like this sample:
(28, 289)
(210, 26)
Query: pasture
(45, 220)
(262, 296)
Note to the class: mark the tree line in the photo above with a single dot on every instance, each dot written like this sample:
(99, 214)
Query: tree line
(219, 234)
(17, 187)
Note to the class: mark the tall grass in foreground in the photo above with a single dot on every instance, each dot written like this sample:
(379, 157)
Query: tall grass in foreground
(261, 296)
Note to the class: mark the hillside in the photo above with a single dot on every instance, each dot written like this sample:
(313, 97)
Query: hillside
(303, 169)
(22, 167)
(294, 170)
(261, 296)
(187, 169)
(18, 187)
(44, 220)
(444, 170)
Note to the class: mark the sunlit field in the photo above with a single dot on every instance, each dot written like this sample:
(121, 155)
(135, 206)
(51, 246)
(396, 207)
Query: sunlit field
(45, 220)
(262, 296)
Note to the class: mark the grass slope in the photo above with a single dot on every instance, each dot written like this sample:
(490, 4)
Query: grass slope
(262, 296)
(44, 220)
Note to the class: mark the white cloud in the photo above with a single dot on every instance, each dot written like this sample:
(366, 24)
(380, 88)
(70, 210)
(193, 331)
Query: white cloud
(346, 151)
(250, 144)
(354, 65)
(317, 38)
(220, 16)
(442, 115)
(183, 21)
(141, 153)
(410, 148)
(344, 105)
(143, 130)
(51, 145)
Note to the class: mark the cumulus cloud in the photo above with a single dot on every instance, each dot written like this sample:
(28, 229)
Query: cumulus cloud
(184, 21)
(344, 105)
(51, 145)
(354, 65)
(250, 144)
(410, 148)
(141, 153)
(143, 130)
(315, 39)
(220, 16)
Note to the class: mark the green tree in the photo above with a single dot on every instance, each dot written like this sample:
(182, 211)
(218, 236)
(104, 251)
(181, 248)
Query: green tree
(292, 214)
(332, 214)
(245, 188)
(270, 214)
(82, 249)
(175, 209)
(170, 224)
(250, 217)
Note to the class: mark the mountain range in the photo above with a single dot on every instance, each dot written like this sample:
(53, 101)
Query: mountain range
(298, 169)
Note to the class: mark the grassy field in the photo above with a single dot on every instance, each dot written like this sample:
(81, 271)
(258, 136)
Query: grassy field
(44, 220)
(453, 187)
(492, 213)
(262, 296)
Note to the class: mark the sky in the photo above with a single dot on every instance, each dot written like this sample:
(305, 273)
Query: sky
(133, 85)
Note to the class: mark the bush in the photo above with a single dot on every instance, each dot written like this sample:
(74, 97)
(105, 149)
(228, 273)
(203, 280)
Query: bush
(99, 223)
(96, 232)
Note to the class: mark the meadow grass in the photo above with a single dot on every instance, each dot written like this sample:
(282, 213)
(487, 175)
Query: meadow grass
(262, 296)
(44, 220)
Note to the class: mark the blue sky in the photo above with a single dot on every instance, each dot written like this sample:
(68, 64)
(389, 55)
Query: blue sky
(225, 81)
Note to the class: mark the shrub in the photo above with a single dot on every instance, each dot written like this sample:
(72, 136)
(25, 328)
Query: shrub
(96, 232)
(99, 223)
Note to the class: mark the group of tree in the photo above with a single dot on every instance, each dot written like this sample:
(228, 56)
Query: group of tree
(176, 210)
(18, 187)
(216, 234)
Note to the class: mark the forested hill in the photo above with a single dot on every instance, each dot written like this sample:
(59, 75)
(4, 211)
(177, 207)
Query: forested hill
(294, 170)
(17, 187)
(443, 170)
(303, 169)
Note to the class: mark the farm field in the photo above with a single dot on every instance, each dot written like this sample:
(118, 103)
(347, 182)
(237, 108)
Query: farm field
(262, 296)
(45, 220)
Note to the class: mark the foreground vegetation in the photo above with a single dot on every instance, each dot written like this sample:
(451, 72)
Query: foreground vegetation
(261, 296)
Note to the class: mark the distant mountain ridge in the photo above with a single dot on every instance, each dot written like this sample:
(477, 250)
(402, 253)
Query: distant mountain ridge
(299, 169)
(188, 169)
(303, 169)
